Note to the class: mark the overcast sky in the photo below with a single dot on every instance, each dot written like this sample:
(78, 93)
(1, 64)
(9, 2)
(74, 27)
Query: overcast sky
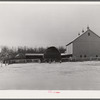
(36, 25)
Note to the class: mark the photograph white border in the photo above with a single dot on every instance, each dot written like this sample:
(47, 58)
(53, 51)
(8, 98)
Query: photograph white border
(41, 94)
(44, 94)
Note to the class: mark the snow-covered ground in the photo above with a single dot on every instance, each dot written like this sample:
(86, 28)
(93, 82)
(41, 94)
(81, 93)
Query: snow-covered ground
(54, 76)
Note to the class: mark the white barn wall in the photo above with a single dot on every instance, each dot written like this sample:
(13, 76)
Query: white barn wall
(69, 49)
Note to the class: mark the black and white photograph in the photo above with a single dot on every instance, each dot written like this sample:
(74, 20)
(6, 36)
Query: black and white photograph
(49, 46)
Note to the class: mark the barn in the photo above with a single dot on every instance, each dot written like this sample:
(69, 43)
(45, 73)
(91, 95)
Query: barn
(52, 54)
(33, 57)
(85, 47)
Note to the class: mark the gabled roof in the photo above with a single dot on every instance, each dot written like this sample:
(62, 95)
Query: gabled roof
(82, 35)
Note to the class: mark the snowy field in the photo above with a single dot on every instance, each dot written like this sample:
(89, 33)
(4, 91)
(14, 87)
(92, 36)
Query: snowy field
(55, 76)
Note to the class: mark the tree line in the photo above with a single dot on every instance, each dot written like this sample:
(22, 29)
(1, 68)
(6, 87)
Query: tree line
(12, 53)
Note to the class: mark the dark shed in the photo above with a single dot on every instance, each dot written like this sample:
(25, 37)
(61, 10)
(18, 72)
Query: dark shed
(52, 54)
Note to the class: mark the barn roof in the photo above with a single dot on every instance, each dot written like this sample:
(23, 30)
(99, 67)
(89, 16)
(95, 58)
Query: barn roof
(63, 54)
(33, 54)
(82, 35)
(40, 54)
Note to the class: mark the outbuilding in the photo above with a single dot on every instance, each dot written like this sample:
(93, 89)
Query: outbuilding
(52, 54)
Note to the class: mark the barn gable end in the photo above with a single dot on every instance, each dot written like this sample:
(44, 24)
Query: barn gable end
(86, 45)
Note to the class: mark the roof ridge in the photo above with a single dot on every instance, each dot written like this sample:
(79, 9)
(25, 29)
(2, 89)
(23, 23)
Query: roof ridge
(81, 35)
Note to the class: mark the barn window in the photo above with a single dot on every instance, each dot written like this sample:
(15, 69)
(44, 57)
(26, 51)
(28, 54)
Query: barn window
(80, 56)
(88, 34)
(96, 55)
(85, 56)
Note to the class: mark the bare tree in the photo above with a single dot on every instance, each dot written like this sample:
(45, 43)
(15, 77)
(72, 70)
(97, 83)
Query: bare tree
(4, 55)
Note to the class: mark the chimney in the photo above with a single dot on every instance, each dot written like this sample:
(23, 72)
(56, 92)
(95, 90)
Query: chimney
(82, 31)
(88, 28)
(78, 34)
